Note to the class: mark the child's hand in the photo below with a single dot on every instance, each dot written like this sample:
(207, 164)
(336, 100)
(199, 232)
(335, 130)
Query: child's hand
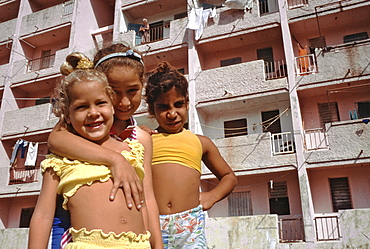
(125, 177)
(206, 200)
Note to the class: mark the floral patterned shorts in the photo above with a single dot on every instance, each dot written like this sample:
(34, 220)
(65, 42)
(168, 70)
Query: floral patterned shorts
(184, 230)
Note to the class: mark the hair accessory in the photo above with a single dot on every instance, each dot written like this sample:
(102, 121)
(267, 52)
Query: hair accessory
(84, 64)
(129, 53)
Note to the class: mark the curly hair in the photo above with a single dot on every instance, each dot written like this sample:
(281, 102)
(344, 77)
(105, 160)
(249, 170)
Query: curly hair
(107, 65)
(163, 79)
(74, 76)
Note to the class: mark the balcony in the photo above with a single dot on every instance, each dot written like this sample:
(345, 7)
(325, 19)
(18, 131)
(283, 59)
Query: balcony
(239, 79)
(305, 65)
(315, 139)
(23, 68)
(33, 120)
(41, 63)
(291, 230)
(327, 228)
(252, 154)
(7, 30)
(347, 140)
(341, 63)
(47, 18)
(282, 143)
(20, 175)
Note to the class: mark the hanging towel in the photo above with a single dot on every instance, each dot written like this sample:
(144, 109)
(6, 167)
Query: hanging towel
(198, 19)
(31, 154)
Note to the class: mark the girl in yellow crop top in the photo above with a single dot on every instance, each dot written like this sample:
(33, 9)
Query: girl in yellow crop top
(85, 103)
(177, 156)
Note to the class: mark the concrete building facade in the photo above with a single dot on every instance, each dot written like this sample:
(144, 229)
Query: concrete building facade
(281, 86)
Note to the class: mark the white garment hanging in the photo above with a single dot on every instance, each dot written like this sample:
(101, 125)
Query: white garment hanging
(198, 18)
(31, 154)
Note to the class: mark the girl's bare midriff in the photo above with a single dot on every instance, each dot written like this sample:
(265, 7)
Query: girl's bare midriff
(176, 187)
(93, 201)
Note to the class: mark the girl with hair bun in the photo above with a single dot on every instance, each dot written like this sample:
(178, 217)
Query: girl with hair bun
(124, 70)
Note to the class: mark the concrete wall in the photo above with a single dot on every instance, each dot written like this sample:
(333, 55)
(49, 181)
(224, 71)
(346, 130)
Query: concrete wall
(240, 79)
(44, 19)
(7, 29)
(37, 118)
(358, 180)
(347, 143)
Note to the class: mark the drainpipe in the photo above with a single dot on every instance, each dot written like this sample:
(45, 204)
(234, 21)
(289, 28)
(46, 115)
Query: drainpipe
(304, 185)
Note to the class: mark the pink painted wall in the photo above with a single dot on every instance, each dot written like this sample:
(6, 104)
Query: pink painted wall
(258, 186)
(359, 183)
(345, 98)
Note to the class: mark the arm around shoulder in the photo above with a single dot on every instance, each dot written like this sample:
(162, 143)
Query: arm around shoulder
(150, 201)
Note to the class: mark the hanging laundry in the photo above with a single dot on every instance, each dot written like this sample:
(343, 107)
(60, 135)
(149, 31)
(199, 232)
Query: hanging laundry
(16, 147)
(198, 18)
(23, 148)
(31, 154)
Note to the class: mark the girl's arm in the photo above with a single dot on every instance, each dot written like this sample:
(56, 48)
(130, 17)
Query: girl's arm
(65, 143)
(219, 167)
(42, 218)
(150, 201)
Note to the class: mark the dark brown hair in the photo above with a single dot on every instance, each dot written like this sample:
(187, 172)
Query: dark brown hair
(163, 79)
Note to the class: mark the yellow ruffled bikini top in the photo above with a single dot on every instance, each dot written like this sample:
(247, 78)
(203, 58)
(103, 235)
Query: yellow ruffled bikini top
(74, 173)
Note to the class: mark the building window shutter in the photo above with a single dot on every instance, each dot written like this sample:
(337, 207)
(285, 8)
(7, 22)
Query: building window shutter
(231, 61)
(355, 37)
(236, 127)
(279, 201)
(340, 194)
(328, 113)
(271, 122)
(240, 204)
(26, 215)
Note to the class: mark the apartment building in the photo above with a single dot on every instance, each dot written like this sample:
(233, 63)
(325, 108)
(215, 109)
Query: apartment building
(281, 86)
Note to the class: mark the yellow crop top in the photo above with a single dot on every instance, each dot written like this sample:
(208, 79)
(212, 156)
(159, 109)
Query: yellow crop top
(183, 148)
(74, 174)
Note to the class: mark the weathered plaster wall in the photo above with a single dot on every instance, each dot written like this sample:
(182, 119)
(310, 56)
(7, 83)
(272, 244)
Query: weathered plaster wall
(36, 118)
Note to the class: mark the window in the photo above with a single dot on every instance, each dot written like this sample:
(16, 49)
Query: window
(240, 204)
(278, 198)
(340, 194)
(363, 109)
(355, 37)
(317, 42)
(45, 59)
(271, 121)
(230, 61)
(268, 6)
(26, 215)
(267, 55)
(236, 127)
(328, 113)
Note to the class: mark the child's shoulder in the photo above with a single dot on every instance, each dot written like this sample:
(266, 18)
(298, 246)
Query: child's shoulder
(143, 136)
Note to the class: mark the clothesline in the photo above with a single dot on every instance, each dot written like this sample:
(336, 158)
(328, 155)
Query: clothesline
(23, 146)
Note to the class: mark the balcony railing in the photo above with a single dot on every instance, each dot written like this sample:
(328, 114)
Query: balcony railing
(275, 69)
(327, 228)
(282, 143)
(305, 64)
(315, 139)
(41, 63)
(20, 175)
(291, 230)
(68, 8)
